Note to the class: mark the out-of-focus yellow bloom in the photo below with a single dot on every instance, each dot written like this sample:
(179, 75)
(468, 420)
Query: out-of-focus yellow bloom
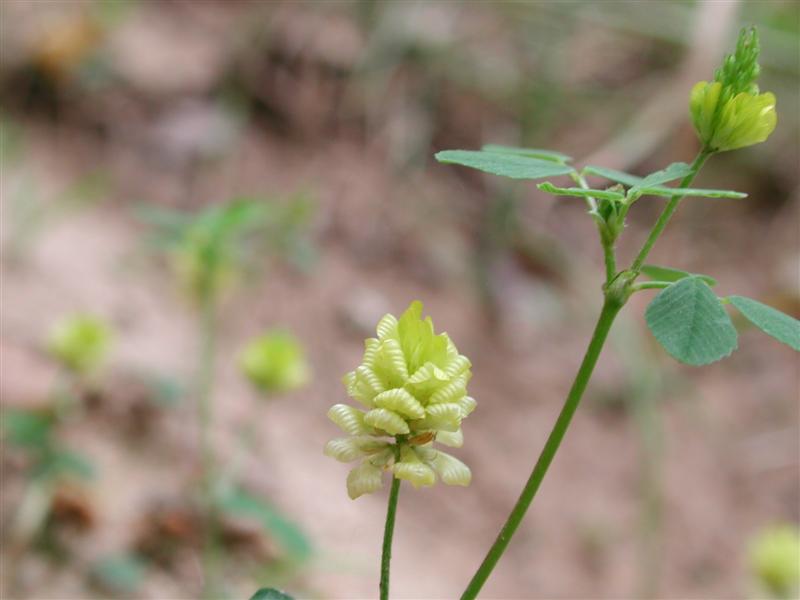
(413, 384)
(275, 362)
(81, 343)
(729, 112)
(775, 560)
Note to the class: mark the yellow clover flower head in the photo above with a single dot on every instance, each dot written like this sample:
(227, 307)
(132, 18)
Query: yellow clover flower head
(80, 343)
(275, 362)
(729, 113)
(413, 384)
(775, 560)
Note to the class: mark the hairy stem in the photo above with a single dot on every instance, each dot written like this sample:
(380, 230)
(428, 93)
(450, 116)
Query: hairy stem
(388, 534)
(610, 259)
(611, 307)
(668, 211)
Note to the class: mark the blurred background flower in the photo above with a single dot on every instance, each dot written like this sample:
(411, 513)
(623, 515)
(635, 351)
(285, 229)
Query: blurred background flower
(775, 560)
(275, 362)
(81, 343)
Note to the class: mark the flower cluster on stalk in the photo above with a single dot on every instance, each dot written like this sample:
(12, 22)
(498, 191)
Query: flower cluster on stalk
(729, 112)
(413, 386)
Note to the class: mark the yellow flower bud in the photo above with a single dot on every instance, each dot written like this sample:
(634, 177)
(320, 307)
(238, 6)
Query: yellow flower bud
(729, 113)
(743, 120)
(413, 384)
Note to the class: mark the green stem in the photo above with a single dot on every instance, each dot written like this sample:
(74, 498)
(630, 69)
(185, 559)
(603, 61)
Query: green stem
(668, 211)
(617, 290)
(578, 178)
(611, 307)
(205, 385)
(609, 254)
(388, 534)
(610, 259)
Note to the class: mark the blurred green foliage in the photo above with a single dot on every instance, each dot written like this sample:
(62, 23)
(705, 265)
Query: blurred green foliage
(213, 249)
(35, 432)
(119, 574)
(294, 544)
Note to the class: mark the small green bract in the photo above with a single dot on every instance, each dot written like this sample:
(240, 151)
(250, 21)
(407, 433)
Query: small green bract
(413, 384)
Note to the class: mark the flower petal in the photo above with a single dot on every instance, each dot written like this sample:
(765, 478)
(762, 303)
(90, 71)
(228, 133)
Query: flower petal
(350, 448)
(454, 439)
(412, 469)
(364, 479)
(350, 419)
(446, 417)
(387, 327)
(363, 385)
(344, 449)
(371, 346)
(386, 420)
(457, 365)
(390, 363)
(451, 470)
(400, 401)
(467, 404)
(450, 392)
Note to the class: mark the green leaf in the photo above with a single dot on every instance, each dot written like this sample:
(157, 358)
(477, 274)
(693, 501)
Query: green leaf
(270, 594)
(532, 152)
(507, 165)
(236, 217)
(648, 186)
(657, 273)
(27, 428)
(61, 462)
(288, 534)
(122, 574)
(165, 390)
(771, 321)
(690, 322)
(613, 175)
(674, 171)
(580, 192)
(668, 191)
